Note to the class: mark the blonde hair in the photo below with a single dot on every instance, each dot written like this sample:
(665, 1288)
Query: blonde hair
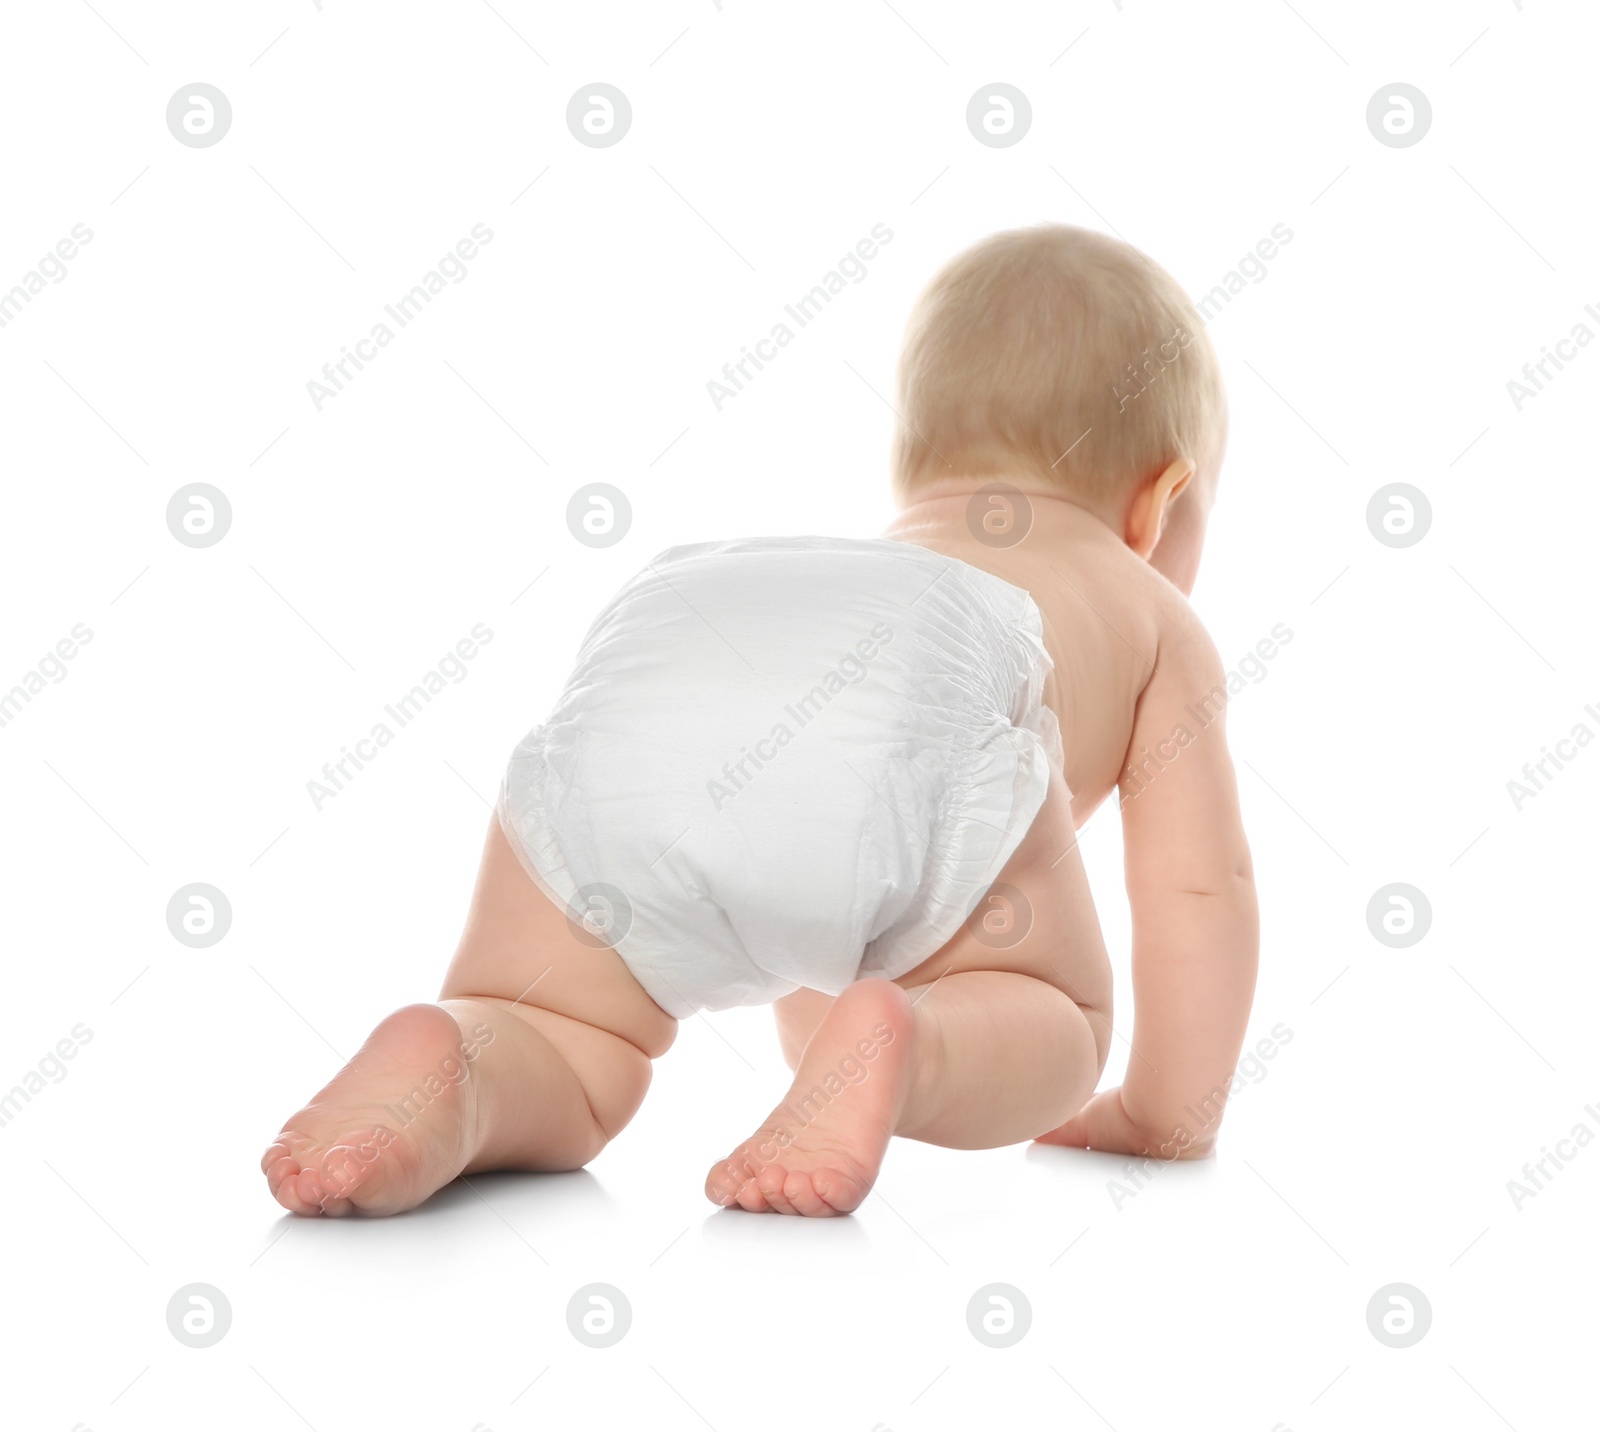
(1058, 354)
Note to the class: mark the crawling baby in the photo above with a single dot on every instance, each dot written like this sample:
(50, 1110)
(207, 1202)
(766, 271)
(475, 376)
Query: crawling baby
(844, 776)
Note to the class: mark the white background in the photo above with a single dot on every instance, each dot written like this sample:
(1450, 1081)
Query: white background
(369, 537)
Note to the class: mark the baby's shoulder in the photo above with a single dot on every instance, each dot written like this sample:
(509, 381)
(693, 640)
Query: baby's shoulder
(1186, 654)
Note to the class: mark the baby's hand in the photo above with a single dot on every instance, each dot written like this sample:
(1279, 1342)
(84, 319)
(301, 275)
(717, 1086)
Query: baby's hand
(1105, 1124)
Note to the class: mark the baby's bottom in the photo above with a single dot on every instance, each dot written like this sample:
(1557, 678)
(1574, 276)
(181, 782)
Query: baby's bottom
(539, 1052)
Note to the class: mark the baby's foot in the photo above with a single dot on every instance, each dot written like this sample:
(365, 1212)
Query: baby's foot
(819, 1151)
(391, 1128)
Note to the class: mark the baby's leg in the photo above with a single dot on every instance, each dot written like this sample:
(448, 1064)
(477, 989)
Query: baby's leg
(535, 1057)
(991, 1041)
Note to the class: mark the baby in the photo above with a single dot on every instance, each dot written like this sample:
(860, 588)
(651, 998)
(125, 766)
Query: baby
(845, 776)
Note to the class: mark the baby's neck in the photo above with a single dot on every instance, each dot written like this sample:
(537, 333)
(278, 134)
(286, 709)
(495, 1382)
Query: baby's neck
(948, 501)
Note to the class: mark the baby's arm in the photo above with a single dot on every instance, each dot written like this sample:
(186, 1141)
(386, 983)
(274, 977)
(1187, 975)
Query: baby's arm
(1193, 899)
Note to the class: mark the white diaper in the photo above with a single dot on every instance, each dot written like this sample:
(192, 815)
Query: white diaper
(785, 762)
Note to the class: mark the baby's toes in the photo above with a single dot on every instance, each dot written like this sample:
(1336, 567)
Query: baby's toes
(799, 1190)
(283, 1178)
(843, 1192)
(770, 1181)
(278, 1165)
(751, 1199)
(727, 1178)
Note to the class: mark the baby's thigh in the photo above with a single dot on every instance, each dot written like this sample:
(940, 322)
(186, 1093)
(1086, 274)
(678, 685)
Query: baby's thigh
(1037, 919)
(519, 946)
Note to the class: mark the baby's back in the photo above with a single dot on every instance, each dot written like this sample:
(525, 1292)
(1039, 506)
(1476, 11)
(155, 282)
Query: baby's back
(1105, 611)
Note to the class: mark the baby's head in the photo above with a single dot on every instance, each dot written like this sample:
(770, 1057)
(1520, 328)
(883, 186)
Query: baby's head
(1067, 364)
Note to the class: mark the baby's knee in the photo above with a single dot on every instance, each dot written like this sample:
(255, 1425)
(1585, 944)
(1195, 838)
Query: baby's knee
(615, 1085)
(1099, 1021)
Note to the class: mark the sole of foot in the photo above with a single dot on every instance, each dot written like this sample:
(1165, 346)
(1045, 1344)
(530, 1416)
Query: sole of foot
(819, 1152)
(378, 1139)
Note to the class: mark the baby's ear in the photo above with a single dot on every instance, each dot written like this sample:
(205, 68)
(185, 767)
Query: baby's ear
(1152, 505)
(1177, 554)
